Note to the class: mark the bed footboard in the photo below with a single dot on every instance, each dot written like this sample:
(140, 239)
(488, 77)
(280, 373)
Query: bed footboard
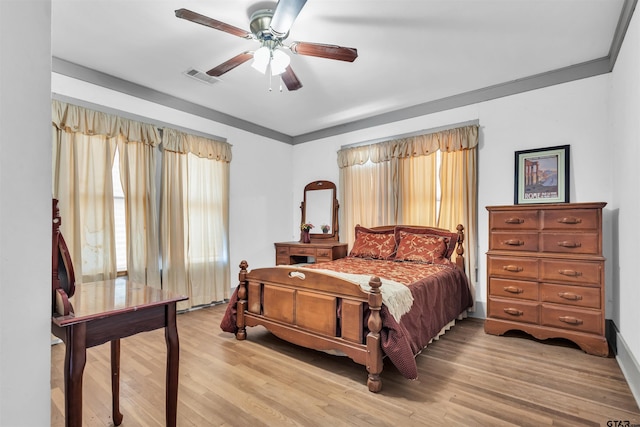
(314, 310)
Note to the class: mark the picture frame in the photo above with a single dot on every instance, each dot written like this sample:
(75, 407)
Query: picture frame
(542, 175)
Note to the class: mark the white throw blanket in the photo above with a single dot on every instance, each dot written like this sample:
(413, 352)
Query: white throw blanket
(396, 296)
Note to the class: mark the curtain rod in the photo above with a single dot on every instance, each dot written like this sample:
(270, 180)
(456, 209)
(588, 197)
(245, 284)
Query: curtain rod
(126, 115)
(415, 133)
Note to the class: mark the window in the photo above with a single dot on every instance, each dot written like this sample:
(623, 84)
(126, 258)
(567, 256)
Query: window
(119, 217)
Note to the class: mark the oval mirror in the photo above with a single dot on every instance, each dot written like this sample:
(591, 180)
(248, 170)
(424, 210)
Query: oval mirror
(320, 208)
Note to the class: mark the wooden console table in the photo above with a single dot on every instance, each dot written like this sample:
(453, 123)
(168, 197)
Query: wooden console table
(107, 311)
(288, 253)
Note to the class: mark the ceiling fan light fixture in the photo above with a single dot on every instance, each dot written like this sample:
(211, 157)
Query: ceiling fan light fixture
(279, 62)
(261, 59)
(270, 27)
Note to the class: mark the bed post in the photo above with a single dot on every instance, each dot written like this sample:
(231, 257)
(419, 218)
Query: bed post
(241, 334)
(374, 345)
(460, 247)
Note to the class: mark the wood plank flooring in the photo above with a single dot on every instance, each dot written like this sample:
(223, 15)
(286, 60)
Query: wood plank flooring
(467, 378)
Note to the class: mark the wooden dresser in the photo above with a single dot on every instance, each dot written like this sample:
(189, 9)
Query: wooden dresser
(288, 253)
(545, 273)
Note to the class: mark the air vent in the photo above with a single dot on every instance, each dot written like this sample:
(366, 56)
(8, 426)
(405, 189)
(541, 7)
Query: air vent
(201, 76)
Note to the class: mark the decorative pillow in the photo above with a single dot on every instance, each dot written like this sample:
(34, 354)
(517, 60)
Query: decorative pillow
(374, 243)
(421, 247)
(450, 237)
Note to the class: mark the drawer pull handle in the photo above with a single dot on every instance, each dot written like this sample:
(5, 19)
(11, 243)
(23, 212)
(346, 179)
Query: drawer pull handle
(570, 220)
(513, 311)
(513, 242)
(514, 221)
(570, 296)
(513, 290)
(571, 273)
(570, 320)
(513, 268)
(567, 244)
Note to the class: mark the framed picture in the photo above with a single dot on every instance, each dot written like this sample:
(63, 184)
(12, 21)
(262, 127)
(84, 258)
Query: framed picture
(542, 175)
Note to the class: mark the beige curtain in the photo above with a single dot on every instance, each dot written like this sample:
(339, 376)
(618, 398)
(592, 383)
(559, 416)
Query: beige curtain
(84, 143)
(83, 187)
(396, 182)
(194, 218)
(459, 203)
(370, 202)
(138, 176)
(368, 178)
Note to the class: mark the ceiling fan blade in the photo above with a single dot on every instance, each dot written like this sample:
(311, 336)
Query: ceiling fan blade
(210, 22)
(290, 79)
(286, 12)
(340, 53)
(230, 64)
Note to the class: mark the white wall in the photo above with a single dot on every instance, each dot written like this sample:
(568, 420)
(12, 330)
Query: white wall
(260, 172)
(25, 213)
(573, 113)
(624, 145)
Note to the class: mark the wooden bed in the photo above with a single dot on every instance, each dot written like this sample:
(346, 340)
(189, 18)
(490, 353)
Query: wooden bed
(327, 307)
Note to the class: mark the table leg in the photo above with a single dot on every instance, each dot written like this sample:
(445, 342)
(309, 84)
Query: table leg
(115, 382)
(75, 359)
(173, 357)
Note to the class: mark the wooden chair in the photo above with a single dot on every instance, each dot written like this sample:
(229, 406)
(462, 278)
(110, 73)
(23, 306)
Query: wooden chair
(63, 284)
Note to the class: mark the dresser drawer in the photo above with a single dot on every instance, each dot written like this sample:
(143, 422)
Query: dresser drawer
(515, 310)
(299, 250)
(574, 219)
(283, 260)
(282, 250)
(519, 289)
(323, 253)
(578, 296)
(571, 271)
(573, 243)
(572, 318)
(513, 267)
(514, 241)
(514, 220)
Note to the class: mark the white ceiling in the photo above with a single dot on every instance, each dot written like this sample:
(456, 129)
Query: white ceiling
(413, 56)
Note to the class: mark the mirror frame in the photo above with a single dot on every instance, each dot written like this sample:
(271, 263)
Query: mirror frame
(322, 185)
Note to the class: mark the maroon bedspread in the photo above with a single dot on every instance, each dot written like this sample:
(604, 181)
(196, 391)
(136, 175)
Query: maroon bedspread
(440, 293)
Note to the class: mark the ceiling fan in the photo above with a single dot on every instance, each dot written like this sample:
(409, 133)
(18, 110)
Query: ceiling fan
(271, 27)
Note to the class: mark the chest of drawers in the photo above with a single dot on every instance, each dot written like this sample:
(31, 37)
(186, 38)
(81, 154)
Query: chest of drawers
(288, 253)
(545, 273)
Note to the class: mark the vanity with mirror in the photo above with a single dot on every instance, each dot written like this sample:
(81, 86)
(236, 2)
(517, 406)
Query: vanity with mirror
(319, 207)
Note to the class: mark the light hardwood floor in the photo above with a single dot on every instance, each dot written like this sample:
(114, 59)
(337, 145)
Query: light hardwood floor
(467, 378)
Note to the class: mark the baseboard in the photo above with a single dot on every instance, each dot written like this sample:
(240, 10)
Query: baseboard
(611, 333)
(628, 365)
(480, 310)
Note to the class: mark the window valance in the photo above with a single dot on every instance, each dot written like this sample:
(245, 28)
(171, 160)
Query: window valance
(76, 119)
(450, 140)
(180, 142)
